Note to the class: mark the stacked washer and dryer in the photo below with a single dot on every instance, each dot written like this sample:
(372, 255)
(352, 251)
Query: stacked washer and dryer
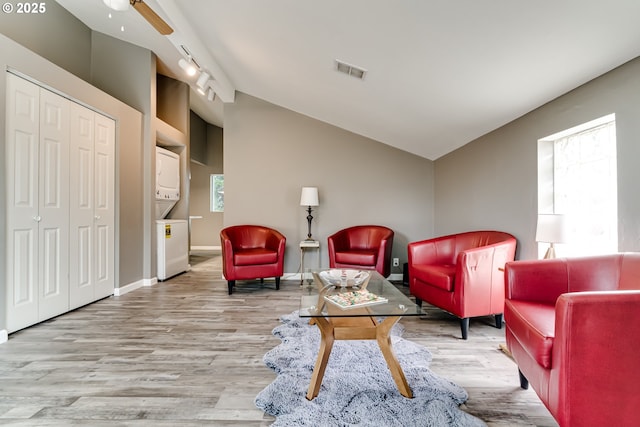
(172, 234)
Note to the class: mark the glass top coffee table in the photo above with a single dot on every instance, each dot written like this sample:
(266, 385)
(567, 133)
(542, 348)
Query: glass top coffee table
(354, 305)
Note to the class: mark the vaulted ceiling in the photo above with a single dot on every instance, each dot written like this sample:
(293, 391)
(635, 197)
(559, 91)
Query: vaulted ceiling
(439, 74)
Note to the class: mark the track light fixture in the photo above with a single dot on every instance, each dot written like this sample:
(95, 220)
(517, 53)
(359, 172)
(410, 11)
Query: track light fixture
(188, 66)
(203, 80)
(211, 95)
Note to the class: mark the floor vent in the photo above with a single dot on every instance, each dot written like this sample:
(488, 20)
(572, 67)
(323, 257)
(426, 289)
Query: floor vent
(351, 70)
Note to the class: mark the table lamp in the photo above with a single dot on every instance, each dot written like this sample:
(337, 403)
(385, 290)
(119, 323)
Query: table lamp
(551, 229)
(309, 198)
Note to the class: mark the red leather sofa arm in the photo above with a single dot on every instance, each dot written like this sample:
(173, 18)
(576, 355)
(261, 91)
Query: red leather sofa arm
(275, 241)
(338, 241)
(595, 354)
(479, 266)
(384, 255)
(227, 249)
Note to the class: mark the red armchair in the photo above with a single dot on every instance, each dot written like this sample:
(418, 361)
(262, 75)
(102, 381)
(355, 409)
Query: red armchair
(251, 252)
(366, 247)
(462, 273)
(572, 328)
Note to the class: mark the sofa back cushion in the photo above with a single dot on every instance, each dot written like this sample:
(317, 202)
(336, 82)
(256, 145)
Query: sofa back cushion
(366, 237)
(477, 239)
(248, 237)
(604, 273)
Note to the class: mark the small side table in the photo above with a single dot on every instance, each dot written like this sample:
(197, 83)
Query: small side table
(304, 246)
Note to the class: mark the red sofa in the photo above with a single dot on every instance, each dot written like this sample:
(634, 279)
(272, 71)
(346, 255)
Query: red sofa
(572, 326)
(251, 252)
(462, 273)
(362, 247)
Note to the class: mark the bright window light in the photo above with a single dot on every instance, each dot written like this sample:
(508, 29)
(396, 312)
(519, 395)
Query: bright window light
(577, 177)
(217, 193)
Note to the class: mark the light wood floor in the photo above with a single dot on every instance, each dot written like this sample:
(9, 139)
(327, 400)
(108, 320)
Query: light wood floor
(184, 353)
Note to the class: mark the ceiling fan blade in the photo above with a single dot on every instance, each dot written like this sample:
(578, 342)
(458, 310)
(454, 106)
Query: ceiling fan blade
(147, 13)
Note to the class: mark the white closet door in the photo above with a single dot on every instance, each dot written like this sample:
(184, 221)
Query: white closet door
(23, 124)
(81, 190)
(104, 212)
(37, 204)
(54, 205)
(92, 213)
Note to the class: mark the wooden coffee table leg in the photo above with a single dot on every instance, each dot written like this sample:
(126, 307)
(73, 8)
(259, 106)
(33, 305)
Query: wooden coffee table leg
(383, 337)
(357, 329)
(326, 344)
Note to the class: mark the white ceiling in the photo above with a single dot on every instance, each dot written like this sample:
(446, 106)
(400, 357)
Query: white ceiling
(440, 73)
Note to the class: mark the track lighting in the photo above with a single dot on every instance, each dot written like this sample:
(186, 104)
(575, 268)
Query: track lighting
(202, 81)
(119, 5)
(211, 95)
(187, 66)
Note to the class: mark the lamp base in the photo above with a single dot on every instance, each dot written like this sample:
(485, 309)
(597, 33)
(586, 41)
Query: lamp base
(551, 252)
(309, 219)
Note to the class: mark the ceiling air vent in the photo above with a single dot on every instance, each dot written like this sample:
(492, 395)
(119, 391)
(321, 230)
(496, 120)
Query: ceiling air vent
(351, 70)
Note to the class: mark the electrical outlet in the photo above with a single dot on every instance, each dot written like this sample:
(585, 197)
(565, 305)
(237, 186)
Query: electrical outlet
(396, 262)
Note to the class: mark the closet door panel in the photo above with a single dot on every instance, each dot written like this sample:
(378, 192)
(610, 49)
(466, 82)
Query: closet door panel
(24, 272)
(53, 209)
(104, 206)
(82, 195)
(23, 122)
(52, 285)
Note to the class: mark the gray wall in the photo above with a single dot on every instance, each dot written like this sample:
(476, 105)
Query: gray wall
(270, 153)
(56, 35)
(207, 159)
(492, 182)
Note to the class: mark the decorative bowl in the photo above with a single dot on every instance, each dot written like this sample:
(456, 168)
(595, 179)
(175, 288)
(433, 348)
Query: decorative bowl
(344, 277)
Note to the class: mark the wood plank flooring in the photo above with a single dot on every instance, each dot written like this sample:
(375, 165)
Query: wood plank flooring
(184, 353)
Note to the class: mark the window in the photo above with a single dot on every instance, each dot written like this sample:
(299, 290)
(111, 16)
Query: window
(217, 193)
(577, 176)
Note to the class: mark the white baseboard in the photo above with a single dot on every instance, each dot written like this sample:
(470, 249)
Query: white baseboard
(133, 286)
(4, 336)
(395, 276)
(206, 248)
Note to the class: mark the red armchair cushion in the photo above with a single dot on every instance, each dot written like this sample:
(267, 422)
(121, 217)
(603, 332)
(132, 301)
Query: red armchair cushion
(255, 256)
(358, 257)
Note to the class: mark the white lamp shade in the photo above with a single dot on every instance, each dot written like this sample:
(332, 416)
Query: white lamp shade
(309, 196)
(551, 228)
(118, 5)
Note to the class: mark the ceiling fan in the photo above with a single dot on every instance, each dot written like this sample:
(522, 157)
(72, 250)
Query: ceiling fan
(143, 9)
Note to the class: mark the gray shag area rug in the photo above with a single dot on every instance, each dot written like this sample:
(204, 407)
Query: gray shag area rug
(357, 389)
